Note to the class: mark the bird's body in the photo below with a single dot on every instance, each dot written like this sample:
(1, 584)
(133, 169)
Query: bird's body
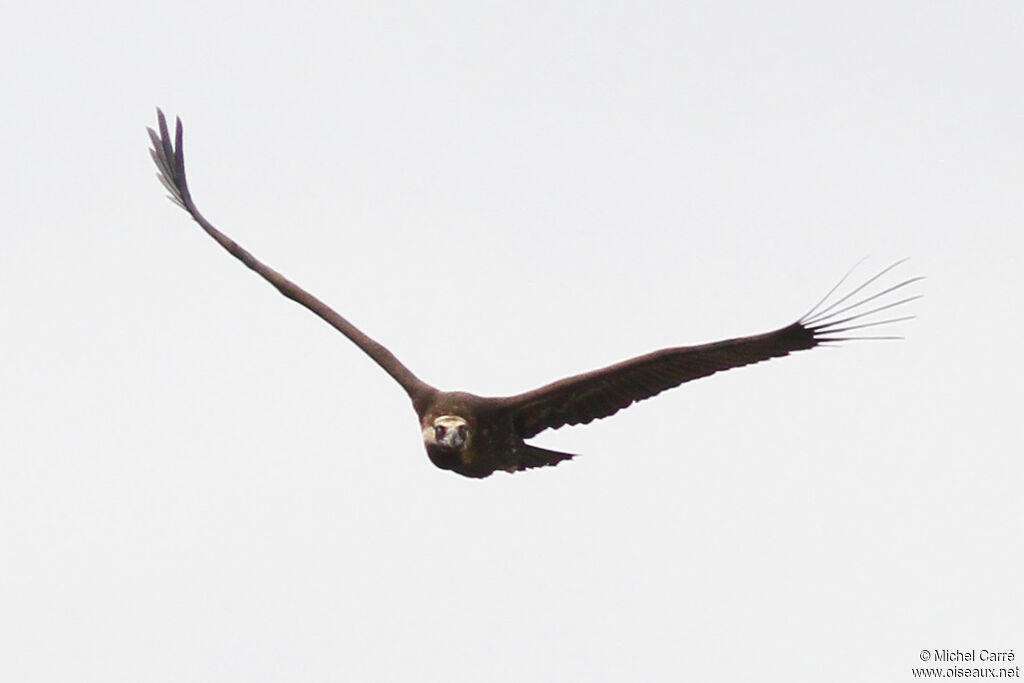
(492, 440)
(475, 436)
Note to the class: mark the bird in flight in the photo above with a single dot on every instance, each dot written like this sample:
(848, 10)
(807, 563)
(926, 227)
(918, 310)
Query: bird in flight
(476, 436)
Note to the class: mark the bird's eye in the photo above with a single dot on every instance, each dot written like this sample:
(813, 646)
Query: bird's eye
(462, 432)
(439, 431)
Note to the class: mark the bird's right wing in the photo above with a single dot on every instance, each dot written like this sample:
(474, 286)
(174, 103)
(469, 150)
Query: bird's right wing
(600, 393)
(170, 161)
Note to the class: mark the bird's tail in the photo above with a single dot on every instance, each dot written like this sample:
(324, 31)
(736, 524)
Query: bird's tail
(532, 456)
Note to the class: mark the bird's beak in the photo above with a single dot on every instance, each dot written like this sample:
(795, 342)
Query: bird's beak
(452, 439)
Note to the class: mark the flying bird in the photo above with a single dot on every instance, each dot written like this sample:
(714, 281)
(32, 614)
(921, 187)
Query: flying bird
(475, 436)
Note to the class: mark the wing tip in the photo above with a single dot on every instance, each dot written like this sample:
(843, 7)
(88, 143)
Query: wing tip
(829, 320)
(169, 158)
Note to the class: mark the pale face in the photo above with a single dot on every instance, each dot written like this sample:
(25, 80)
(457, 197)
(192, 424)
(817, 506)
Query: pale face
(449, 432)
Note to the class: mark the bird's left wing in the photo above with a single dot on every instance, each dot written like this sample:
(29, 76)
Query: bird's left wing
(600, 393)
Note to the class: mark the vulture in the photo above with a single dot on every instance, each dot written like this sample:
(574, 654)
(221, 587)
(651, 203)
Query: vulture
(474, 435)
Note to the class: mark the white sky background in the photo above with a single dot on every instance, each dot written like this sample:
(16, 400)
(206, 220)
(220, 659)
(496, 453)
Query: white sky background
(200, 481)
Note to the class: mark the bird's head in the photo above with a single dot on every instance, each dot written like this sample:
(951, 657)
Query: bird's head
(447, 432)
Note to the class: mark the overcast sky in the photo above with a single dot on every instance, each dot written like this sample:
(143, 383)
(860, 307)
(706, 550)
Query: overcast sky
(201, 481)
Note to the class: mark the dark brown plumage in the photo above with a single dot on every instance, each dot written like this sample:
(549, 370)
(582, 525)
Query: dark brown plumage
(475, 436)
